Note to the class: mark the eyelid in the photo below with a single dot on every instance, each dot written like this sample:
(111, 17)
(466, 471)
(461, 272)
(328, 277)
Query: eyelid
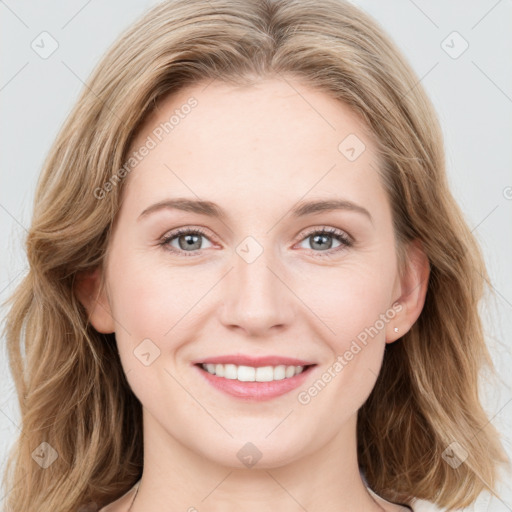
(185, 229)
(330, 230)
(176, 232)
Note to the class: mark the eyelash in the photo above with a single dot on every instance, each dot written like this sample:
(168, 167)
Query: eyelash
(345, 240)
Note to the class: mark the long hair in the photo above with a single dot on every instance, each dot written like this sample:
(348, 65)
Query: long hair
(78, 413)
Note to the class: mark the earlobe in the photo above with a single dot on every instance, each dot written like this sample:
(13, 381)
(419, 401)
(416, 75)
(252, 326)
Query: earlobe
(413, 290)
(91, 293)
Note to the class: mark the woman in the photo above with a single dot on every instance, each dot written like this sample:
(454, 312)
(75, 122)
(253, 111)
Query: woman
(189, 341)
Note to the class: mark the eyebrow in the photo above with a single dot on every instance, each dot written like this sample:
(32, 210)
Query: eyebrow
(211, 209)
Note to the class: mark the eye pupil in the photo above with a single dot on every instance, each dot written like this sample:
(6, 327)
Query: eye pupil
(321, 239)
(190, 244)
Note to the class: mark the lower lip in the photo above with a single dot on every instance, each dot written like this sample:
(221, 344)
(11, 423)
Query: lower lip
(257, 391)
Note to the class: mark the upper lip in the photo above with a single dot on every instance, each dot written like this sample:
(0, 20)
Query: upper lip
(244, 360)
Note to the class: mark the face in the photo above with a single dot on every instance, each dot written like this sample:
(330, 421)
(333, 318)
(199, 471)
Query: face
(255, 273)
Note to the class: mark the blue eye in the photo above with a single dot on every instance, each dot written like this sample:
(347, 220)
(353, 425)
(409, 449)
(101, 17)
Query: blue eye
(189, 241)
(320, 238)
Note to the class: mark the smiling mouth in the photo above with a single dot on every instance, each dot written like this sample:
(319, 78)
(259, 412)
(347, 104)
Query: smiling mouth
(244, 373)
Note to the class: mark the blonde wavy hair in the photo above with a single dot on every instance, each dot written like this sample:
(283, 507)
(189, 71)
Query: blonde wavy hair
(71, 388)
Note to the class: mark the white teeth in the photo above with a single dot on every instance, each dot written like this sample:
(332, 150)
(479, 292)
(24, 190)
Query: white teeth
(289, 372)
(252, 374)
(279, 372)
(264, 373)
(246, 373)
(230, 371)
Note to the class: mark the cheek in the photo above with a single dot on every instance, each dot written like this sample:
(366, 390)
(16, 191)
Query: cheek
(142, 304)
(146, 305)
(149, 295)
(355, 314)
(354, 306)
(348, 299)
(146, 308)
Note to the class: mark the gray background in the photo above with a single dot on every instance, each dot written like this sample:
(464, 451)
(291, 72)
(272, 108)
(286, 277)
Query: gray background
(472, 94)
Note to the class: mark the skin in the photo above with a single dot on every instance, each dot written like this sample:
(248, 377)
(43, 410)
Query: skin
(255, 151)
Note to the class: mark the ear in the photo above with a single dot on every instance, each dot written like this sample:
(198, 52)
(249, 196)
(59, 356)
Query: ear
(91, 293)
(412, 285)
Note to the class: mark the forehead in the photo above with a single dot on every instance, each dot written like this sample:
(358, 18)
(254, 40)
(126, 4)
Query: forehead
(248, 144)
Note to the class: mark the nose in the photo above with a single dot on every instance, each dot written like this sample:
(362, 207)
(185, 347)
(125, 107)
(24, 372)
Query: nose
(257, 298)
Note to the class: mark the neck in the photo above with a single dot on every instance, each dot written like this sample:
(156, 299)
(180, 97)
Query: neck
(177, 478)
